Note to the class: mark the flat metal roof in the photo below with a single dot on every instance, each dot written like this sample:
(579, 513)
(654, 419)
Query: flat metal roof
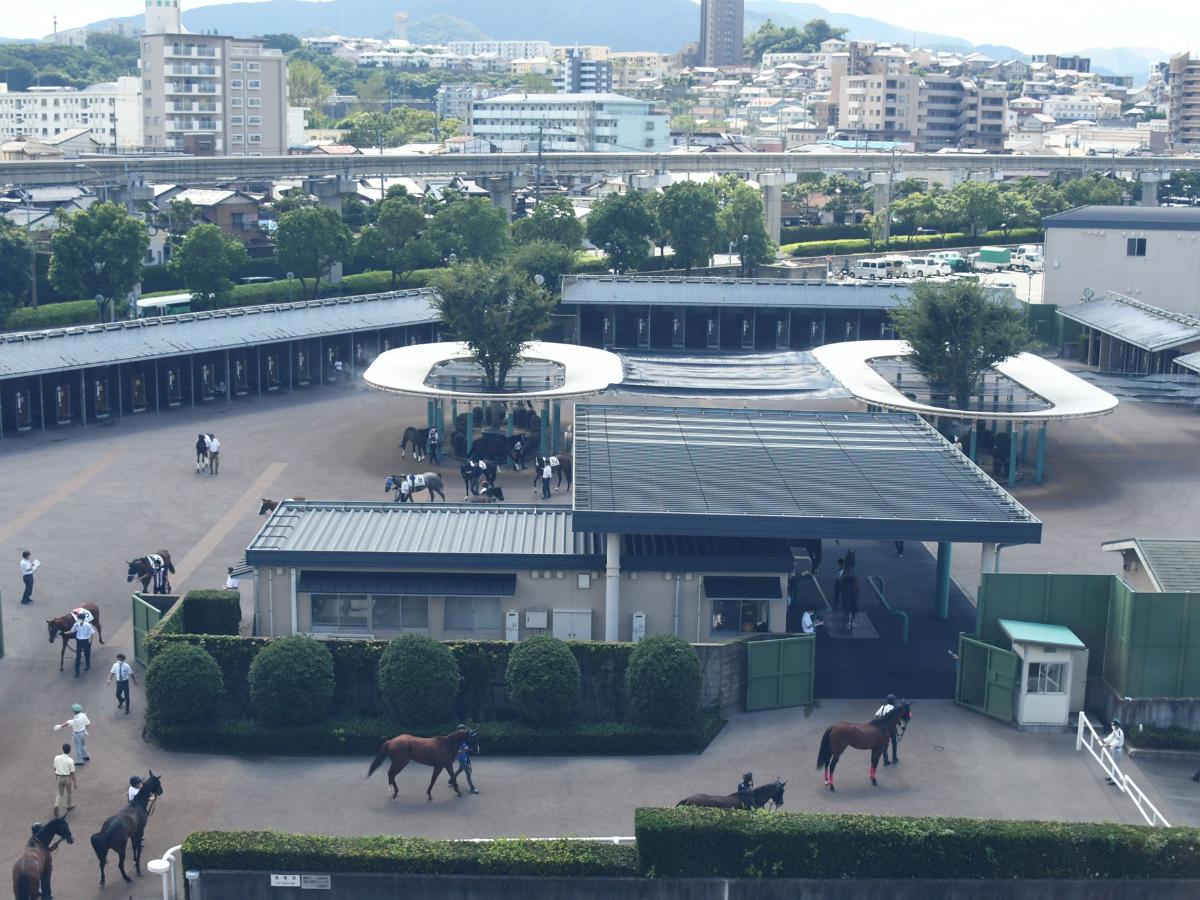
(1189, 361)
(643, 290)
(1040, 633)
(1147, 218)
(470, 536)
(63, 349)
(1135, 322)
(1066, 396)
(1173, 566)
(783, 474)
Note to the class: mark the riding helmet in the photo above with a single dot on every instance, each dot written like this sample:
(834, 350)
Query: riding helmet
(461, 728)
(135, 781)
(747, 776)
(891, 698)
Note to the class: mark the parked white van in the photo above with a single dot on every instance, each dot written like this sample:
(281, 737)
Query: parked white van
(872, 269)
(926, 267)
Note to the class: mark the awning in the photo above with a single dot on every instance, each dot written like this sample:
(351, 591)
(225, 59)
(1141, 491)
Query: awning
(1135, 323)
(739, 587)
(441, 584)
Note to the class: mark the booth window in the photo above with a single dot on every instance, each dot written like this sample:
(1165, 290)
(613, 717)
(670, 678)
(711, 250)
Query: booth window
(736, 616)
(347, 611)
(399, 613)
(472, 614)
(1044, 678)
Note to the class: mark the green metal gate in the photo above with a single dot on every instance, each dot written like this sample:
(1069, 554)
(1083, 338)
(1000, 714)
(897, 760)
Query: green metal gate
(987, 678)
(780, 672)
(147, 611)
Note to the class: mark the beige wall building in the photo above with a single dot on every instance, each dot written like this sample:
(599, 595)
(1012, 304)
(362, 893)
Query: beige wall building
(1183, 91)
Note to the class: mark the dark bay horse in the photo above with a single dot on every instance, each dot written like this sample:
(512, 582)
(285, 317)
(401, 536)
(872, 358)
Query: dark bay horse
(31, 873)
(489, 495)
(873, 736)
(201, 452)
(419, 438)
(269, 506)
(756, 799)
(477, 471)
(63, 624)
(129, 825)
(560, 464)
(849, 591)
(143, 569)
(406, 486)
(438, 752)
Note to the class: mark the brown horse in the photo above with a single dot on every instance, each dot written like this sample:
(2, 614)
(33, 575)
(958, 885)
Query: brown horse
(269, 506)
(560, 464)
(127, 825)
(438, 752)
(873, 736)
(31, 873)
(143, 569)
(754, 799)
(63, 624)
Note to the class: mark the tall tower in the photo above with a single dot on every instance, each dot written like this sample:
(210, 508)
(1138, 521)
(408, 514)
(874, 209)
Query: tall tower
(162, 17)
(401, 26)
(721, 24)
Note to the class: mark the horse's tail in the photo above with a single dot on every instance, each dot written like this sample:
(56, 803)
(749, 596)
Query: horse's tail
(826, 753)
(23, 889)
(170, 567)
(100, 845)
(684, 802)
(378, 761)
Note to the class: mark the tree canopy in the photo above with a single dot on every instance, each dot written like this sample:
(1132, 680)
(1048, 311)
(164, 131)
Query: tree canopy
(624, 224)
(743, 217)
(471, 229)
(958, 330)
(16, 267)
(770, 38)
(98, 251)
(207, 260)
(552, 220)
(396, 243)
(687, 214)
(309, 241)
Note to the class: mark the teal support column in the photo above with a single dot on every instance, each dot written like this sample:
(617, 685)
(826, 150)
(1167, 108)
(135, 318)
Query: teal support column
(543, 447)
(941, 599)
(470, 428)
(974, 442)
(511, 464)
(1012, 456)
(1024, 440)
(557, 424)
(429, 414)
(1041, 453)
(453, 413)
(441, 427)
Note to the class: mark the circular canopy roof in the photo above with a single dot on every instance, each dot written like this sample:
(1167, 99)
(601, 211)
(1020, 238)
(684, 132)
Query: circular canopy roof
(552, 372)
(1049, 392)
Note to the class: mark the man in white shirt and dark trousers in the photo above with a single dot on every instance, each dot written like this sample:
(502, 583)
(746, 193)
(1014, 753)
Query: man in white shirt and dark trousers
(547, 472)
(27, 570)
(1115, 742)
(888, 705)
(82, 631)
(122, 671)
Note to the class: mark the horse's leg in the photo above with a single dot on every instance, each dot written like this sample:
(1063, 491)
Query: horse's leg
(875, 754)
(121, 861)
(137, 853)
(437, 770)
(392, 773)
(833, 765)
(99, 634)
(62, 655)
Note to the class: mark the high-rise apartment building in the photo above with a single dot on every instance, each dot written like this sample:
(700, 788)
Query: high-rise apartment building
(721, 24)
(962, 113)
(578, 75)
(1183, 96)
(111, 112)
(210, 94)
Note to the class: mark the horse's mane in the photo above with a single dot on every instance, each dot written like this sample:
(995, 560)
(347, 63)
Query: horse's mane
(891, 715)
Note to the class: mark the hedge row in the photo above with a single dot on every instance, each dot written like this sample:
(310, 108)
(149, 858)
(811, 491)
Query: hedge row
(901, 244)
(799, 234)
(212, 612)
(52, 315)
(1152, 737)
(694, 843)
(272, 851)
(363, 736)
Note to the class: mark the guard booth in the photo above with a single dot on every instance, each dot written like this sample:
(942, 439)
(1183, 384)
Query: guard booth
(1052, 674)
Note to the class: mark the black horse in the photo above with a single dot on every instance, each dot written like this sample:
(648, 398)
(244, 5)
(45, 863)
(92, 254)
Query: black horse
(489, 495)
(144, 567)
(129, 825)
(476, 471)
(753, 799)
(560, 464)
(419, 438)
(849, 591)
(497, 448)
(201, 452)
(31, 873)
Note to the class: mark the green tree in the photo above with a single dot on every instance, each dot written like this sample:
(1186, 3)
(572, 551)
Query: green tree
(472, 229)
(978, 204)
(1016, 212)
(687, 213)
(533, 83)
(495, 310)
(16, 267)
(207, 260)
(957, 331)
(543, 680)
(306, 85)
(294, 199)
(1046, 199)
(743, 216)
(396, 243)
(911, 212)
(98, 251)
(355, 213)
(291, 680)
(1096, 190)
(683, 123)
(664, 679)
(771, 38)
(284, 42)
(906, 187)
(622, 224)
(550, 260)
(552, 220)
(419, 679)
(309, 241)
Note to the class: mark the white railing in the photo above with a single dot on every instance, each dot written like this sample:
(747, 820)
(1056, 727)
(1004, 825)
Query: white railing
(1087, 739)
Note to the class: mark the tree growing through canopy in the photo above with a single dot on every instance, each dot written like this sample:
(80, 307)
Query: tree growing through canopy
(309, 241)
(622, 224)
(495, 310)
(98, 251)
(957, 331)
(207, 260)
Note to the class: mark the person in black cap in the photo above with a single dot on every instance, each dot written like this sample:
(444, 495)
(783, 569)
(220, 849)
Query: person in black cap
(1115, 742)
(745, 790)
(888, 705)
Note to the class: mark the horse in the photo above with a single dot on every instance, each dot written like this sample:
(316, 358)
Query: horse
(406, 486)
(873, 736)
(201, 452)
(419, 438)
(127, 825)
(560, 464)
(31, 873)
(438, 752)
(489, 495)
(753, 799)
(475, 470)
(143, 568)
(849, 591)
(63, 624)
(497, 448)
(269, 506)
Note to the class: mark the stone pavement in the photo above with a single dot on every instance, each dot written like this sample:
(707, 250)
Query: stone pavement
(86, 500)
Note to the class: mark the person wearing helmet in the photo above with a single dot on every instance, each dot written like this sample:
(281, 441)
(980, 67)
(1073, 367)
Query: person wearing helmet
(464, 760)
(888, 705)
(745, 790)
(135, 785)
(1115, 743)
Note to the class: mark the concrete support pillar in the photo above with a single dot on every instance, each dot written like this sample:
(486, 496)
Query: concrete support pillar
(557, 425)
(941, 598)
(974, 442)
(1041, 453)
(329, 191)
(881, 191)
(612, 587)
(501, 189)
(1024, 440)
(1012, 455)
(544, 446)
(470, 427)
(987, 558)
(1149, 182)
(772, 187)
(512, 465)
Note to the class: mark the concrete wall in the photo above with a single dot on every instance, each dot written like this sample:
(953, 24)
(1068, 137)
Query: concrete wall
(1162, 712)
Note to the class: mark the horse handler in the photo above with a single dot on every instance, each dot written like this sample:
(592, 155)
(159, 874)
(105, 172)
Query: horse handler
(83, 631)
(79, 728)
(64, 775)
(464, 762)
(122, 671)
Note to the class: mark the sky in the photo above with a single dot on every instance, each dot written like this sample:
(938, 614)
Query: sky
(1026, 24)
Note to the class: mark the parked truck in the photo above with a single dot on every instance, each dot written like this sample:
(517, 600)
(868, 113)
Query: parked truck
(1028, 258)
(991, 259)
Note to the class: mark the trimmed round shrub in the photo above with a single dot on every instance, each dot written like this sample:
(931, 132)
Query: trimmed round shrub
(183, 683)
(419, 678)
(291, 681)
(664, 679)
(543, 680)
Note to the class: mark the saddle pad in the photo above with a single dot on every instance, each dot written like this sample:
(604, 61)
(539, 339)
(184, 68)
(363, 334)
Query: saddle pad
(554, 461)
(86, 613)
(418, 481)
(156, 562)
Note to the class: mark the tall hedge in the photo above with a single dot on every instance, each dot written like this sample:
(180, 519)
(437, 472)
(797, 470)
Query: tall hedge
(291, 681)
(543, 680)
(182, 685)
(212, 612)
(902, 245)
(419, 679)
(53, 315)
(665, 679)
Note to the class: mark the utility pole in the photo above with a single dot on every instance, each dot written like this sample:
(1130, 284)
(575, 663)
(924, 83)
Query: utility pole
(537, 183)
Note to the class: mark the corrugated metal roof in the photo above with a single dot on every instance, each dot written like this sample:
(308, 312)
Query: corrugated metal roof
(429, 535)
(1135, 323)
(64, 349)
(1173, 565)
(1149, 218)
(732, 292)
(1040, 633)
(1189, 361)
(783, 474)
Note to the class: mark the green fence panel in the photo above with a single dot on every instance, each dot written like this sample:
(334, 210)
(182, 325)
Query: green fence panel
(1164, 646)
(779, 673)
(1116, 648)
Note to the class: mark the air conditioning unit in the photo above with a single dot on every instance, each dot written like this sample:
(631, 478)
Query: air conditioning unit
(639, 626)
(536, 618)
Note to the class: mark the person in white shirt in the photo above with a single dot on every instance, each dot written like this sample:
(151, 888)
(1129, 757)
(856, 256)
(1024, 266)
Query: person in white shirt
(214, 449)
(231, 583)
(135, 785)
(808, 624)
(79, 728)
(1115, 742)
(122, 671)
(27, 569)
(888, 705)
(547, 472)
(82, 631)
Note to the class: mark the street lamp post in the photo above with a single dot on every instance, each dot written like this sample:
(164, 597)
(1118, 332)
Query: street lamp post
(290, 276)
(100, 308)
(745, 245)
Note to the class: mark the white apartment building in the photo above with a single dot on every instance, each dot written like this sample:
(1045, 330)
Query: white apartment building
(568, 122)
(454, 100)
(111, 112)
(506, 49)
(1069, 108)
(1182, 79)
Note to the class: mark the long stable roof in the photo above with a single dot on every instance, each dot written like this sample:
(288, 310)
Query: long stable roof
(1173, 566)
(37, 352)
(1135, 323)
(1189, 361)
(1065, 396)
(1148, 218)
(783, 474)
(644, 290)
